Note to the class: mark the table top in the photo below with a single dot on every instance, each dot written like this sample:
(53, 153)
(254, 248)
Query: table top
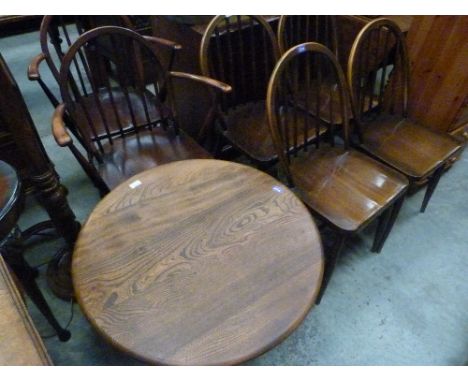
(198, 262)
(10, 188)
(20, 344)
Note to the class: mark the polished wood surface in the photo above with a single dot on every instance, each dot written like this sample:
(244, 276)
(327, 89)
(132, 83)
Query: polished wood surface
(406, 146)
(345, 187)
(198, 262)
(438, 56)
(387, 133)
(126, 124)
(342, 186)
(20, 344)
(9, 199)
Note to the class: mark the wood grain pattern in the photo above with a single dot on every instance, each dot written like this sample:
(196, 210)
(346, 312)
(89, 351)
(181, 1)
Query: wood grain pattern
(438, 55)
(204, 262)
(20, 344)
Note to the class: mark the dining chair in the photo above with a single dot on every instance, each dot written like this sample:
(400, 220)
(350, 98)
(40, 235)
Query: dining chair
(343, 187)
(127, 124)
(387, 133)
(242, 52)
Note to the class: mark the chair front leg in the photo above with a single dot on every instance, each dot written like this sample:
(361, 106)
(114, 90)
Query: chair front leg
(331, 259)
(395, 209)
(431, 186)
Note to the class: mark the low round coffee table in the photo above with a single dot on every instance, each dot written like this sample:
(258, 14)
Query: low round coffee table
(198, 262)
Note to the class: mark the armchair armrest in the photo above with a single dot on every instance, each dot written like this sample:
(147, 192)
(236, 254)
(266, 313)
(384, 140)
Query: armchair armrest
(218, 85)
(59, 129)
(164, 42)
(33, 68)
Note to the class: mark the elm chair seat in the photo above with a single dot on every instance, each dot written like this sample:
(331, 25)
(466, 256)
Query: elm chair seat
(151, 148)
(407, 146)
(248, 130)
(346, 188)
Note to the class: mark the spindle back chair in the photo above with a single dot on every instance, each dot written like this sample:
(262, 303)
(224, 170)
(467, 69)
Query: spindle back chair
(378, 68)
(242, 51)
(127, 123)
(294, 102)
(297, 29)
(341, 186)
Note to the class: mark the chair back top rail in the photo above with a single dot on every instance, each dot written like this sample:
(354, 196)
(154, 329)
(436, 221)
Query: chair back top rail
(296, 101)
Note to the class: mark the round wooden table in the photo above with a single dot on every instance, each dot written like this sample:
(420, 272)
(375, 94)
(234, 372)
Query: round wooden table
(198, 262)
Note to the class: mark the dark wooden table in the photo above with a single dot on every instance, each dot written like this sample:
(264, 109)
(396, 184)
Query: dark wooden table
(12, 244)
(198, 262)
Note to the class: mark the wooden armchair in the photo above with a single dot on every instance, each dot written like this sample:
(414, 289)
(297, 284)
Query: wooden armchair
(128, 120)
(386, 133)
(343, 187)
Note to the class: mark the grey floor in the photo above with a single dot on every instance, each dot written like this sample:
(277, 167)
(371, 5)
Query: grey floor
(406, 306)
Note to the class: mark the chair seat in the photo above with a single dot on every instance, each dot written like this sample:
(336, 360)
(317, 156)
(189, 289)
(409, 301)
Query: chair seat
(329, 102)
(116, 109)
(347, 188)
(248, 130)
(406, 146)
(145, 150)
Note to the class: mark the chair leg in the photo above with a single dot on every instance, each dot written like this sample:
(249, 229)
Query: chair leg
(380, 232)
(395, 210)
(431, 186)
(331, 259)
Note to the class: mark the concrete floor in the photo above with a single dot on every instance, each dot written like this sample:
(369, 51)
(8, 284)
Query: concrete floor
(406, 306)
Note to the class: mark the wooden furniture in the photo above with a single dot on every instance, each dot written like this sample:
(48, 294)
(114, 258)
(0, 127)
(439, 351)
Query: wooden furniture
(11, 244)
(20, 343)
(198, 262)
(387, 133)
(349, 26)
(14, 24)
(438, 57)
(126, 125)
(296, 29)
(40, 173)
(242, 51)
(343, 187)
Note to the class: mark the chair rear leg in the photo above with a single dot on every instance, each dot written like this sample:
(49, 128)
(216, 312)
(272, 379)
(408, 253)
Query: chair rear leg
(395, 210)
(331, 259)
(431, 186)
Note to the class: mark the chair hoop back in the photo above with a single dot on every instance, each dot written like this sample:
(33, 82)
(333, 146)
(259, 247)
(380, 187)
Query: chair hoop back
(240, 51)
(295, 103)
(297, 29)
(57, 33)
(378, 70)
(110, 93)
